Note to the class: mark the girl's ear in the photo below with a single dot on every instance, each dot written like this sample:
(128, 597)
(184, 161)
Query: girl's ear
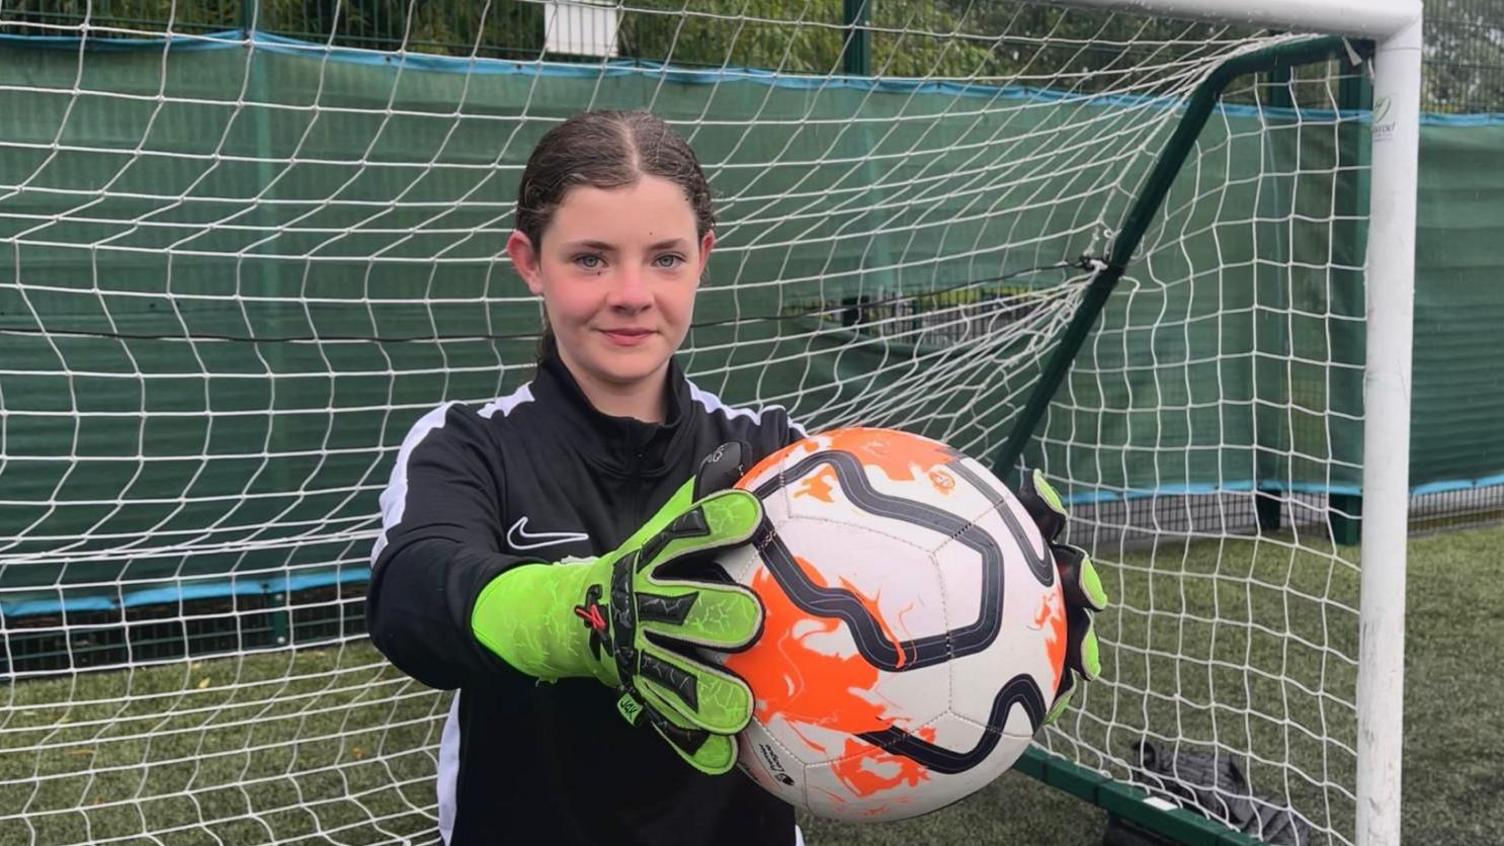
(706, 245)
(526, 261)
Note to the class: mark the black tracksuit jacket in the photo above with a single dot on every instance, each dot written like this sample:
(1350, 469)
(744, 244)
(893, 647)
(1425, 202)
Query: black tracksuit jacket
(541, 475)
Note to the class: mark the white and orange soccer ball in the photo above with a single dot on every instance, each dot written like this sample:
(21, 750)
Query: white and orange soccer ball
(915, 629)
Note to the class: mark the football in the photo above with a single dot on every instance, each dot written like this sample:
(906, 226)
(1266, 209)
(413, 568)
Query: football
(914, 632)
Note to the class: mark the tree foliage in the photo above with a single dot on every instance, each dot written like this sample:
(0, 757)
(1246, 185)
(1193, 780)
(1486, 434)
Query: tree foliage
(1464, 55)
(988, 39)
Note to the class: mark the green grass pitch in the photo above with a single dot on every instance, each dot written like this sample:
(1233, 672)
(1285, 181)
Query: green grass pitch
(332, 746)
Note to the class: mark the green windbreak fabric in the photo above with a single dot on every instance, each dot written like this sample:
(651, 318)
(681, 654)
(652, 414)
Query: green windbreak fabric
(1457, 406)
(231, 279)
(1229, 357)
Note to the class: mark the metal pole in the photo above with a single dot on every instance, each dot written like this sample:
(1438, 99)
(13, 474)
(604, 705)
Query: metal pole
(856, 58)
(1375, 19)
(1136, 222)
(248, 12)
(1386, 442)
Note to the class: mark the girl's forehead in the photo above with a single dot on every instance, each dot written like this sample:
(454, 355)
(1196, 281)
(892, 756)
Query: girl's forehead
(650, 207)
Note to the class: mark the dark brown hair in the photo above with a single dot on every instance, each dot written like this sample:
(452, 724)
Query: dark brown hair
(605, 149)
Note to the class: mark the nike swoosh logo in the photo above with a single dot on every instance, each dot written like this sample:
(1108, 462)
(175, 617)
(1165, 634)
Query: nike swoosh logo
(519, 538)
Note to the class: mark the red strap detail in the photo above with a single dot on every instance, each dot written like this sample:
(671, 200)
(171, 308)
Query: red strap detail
(592, 616)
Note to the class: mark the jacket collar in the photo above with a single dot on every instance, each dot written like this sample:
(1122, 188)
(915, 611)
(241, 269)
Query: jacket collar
(619, 445)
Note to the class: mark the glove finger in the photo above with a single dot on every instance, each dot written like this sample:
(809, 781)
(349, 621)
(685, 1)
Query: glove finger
(1079, 581)
(723, 617)
(1043, 505)
(712, 754)
(1082, 652)
(695, 693)
(723, 519)
(1062, 697)
(722, 468)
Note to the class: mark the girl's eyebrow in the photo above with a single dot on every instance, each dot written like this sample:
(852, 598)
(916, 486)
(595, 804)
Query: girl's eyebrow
(602, 246)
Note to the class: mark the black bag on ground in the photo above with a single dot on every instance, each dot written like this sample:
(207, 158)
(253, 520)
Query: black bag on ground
(1213, 784)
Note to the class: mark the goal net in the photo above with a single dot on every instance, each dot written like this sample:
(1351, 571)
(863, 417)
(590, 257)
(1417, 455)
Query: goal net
(241, 251)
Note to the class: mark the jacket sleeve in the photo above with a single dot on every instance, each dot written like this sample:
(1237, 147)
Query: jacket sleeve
(767, 431)
(440, 545)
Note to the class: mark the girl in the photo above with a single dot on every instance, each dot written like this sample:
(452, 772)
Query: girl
(591, 458)
(612, 465)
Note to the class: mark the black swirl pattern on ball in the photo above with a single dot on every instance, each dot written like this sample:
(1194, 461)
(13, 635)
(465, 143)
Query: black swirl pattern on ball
(1020, 690)
(840, 603)
(1041, 562)
(867, 633)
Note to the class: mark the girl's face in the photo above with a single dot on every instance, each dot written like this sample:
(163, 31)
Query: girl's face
(617, 271)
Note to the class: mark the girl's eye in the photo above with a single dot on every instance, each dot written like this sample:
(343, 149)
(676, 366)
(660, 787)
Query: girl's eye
(588, 261)
(669, 260)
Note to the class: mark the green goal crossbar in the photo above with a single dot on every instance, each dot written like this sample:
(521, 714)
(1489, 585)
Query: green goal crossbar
(1126, 801)
(1136, 222)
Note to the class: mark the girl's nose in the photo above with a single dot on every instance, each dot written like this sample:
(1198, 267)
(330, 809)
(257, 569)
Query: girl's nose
(630, 290)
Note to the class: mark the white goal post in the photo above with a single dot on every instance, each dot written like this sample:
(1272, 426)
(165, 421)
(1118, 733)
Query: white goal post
(1395, 26)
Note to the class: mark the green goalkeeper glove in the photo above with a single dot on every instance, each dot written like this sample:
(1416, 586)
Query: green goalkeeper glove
(633, 617)
(1080, 585)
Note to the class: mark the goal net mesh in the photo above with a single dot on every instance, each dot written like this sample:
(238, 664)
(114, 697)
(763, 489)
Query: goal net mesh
(235, 269)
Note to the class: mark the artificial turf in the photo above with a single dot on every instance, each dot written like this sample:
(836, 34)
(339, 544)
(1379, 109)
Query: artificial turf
(333, 746)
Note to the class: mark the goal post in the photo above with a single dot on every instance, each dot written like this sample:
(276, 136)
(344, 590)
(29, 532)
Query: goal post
(244, 247)
(1386, 449)
(1390, 271)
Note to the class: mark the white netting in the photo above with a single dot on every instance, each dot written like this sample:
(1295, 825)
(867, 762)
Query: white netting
(234, 270)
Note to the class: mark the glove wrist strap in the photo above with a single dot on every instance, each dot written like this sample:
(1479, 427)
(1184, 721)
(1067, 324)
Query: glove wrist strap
(540, 620)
